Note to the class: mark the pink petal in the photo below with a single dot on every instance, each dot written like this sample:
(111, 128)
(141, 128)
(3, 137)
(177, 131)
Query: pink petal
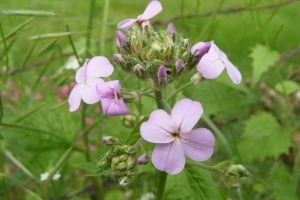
(153, 8)
(88, 93)
(74, 98)
(80, 74)
(111, 108)
(104, 91)
(99, 66)
(198, 144)
(186, 114)
(210, 66)
(158, 128)
(169, 157)
(233, 72)
(197, 46)
(126, 24)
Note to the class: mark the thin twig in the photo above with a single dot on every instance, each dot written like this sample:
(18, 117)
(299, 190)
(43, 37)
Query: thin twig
(225, 11)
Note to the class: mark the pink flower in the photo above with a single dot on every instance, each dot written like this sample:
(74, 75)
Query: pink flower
(65, 90)
(175, 138)
(153, 8)
(213, 63)
(111, 98)
(87, 78)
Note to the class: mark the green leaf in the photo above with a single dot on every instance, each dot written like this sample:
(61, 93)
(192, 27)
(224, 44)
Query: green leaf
(289, 86)
(114, 194)
(281, 182)
(200, 184)
(175, 186)
(135, 133)
(28, 12)
(263, 137)
(263, 57)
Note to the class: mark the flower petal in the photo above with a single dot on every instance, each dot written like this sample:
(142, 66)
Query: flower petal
(111, 108)
(126, 24)
(169, 157)
(153, 8)
(80, 74)
(186, 114)
(104, 91)
(198, 144)
(210, 66)
(158, 128)
(88, 92)
(197, 46)
(74, 98)
(99, 66)
(233, 72)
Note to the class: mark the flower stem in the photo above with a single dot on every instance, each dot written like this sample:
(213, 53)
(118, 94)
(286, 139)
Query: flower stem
(209, 168)
(178, 90)
(162, 176)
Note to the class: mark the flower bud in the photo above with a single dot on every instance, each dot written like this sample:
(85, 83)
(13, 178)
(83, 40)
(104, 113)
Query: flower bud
(168, 55)
(123, 157)
(178, 70)
(123, 149)
(120, 39)
(130, 97)
(125, 181)
(118, 58)
(133, 171)
(115, 160)
(162, 81)
(128, 120)
(140, 72)
(121, 166)
(197, 79)
(171, 29)
(131, 150)
(109, 154)
(144, 159)
(136, 45)
(131, 162)
(235, 175)
(103, 163)
(110, 141)
(117, 149)
(202, 50)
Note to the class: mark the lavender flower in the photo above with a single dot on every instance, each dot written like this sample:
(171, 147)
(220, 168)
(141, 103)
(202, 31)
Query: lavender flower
(87, 77)
(153, 8)
(120, 39)
(174, 136)
(111, 100)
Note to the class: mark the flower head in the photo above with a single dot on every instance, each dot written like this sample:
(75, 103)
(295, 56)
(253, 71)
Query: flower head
(87, 77)
(175, 138)
(111, 98)
(153, 8)
(213, 63)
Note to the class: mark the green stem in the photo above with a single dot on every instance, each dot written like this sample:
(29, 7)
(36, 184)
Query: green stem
(296, 170)
(218, 133)
(85, 134)
(209, 168)
(146, 92)
(104, 24)
(178, 90)
(6, 54)
(90, 27)
(162, 176)
(73, 46)
(138, 143)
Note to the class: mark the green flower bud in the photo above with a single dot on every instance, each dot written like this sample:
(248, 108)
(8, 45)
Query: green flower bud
(121, 166)
(136, 45)
(123, 149)
(168, 55)
(103, 163)
(117, 149)
(133, 171)
(131, 162)
(109, 154)
(151, 70)
(130, 97)
(123, 157)
(110, 141)
(128, 120)
(115, 160)
(186, 57)
(125, 181)
(140, 72)
(131, 150)
(197, 79)
(235, 175)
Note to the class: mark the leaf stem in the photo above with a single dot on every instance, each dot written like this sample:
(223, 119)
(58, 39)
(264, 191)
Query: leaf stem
(104, 24)
(90, 27)
(6, 55)
(209, 168)
(179, 89)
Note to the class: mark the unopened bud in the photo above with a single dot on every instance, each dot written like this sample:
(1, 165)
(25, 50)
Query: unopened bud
(109, 154)
(128, 120)
(131, 150)
(162, 73)
(110, 141)
(136, 45)
(121, 166)
(140, 72)
(131, 162)
(123, 157)
(197, 79)
(177, 70)
(161, 83)
(143, 159)
(133, 171)
(202, 50)
(117, 149)
(171, 29)
(168, 55)
(115, 160)
(120, 39)
(124, 149)
(125, 181)
(103, 163)
(118, 58)
(235, 175)
(130, 97)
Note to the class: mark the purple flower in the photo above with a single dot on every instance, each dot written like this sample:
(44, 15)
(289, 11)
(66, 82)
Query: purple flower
(174, 136)
(111, 98)
(171, 29)
(200, 49)
(87, 78)
(153, 8)
(162, 73)
(120, 39)
(213, 63)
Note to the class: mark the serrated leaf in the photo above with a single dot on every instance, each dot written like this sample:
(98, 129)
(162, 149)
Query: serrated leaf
(281, 183)
(263, 57)
(290, 87)
(201, 185)
(135, 133)
(263, 137)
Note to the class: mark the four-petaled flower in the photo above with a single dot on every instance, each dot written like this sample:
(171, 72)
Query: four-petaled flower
(153, 8)
(87, 77)
(175, 138)
(111, 98)
(213, 63)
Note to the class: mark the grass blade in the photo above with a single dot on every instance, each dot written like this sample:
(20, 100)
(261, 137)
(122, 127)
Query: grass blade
(19, 27)
(28, 12)
(49, 35)
(6, 55)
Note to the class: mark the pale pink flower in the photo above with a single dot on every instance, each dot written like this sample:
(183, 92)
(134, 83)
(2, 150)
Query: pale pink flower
(65, 90)
(213, 63)
(37, 96)
(16, 93)
(175, 138)
(111, 98)
(97, 110)
(87, 77)
(88, 120)
(153, 8)
(43, 79)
